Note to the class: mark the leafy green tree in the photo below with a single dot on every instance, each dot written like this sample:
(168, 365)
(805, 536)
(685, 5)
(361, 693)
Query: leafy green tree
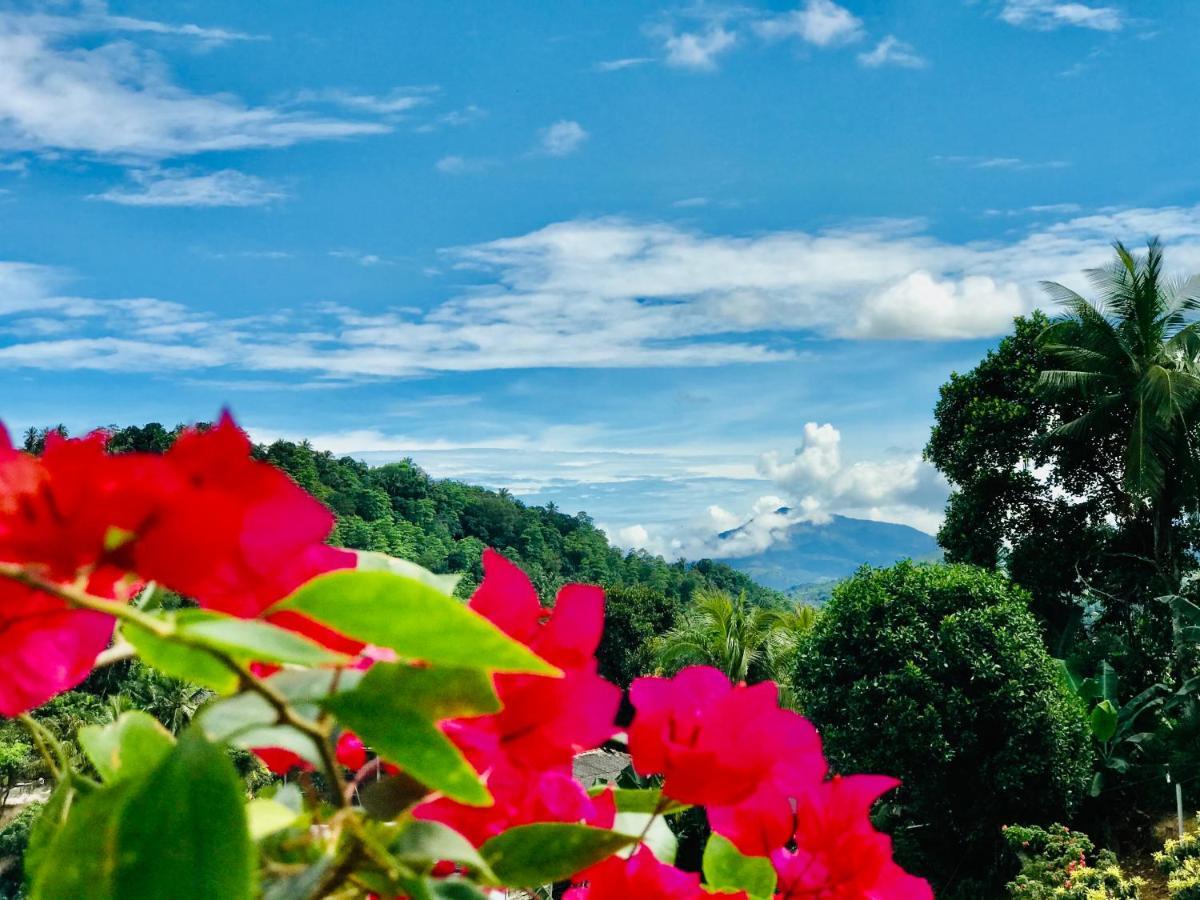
(634, 616)
(1128, 358)
(16, 758)
(938, 675)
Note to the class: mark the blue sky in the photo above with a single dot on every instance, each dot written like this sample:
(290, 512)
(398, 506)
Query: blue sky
(671, 264)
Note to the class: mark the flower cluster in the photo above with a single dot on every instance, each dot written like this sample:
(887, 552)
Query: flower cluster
(81, 530)
(205, 519)
(525, 750)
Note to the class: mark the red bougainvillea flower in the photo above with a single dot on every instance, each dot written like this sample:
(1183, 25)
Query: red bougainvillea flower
(642, 875)
(522, 796)
(839, 855)
(238, 534)
(716, 743)
(351, 752)
(66, 517)
(546, 721)
(281, 761)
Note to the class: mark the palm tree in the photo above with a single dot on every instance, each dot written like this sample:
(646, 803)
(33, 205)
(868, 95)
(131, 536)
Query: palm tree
(746, 642)
(1130, 358)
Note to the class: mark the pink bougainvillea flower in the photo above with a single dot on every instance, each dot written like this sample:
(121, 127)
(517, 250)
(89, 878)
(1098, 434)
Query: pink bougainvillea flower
(66, 517)
(716, 743)
(252, 535)
(839, 855)
(546, 721)
(522, 796)
(642, 875)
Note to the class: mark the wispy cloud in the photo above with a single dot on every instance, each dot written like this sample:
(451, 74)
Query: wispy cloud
(1013, 163)
(608, 293)
(1047, 15)
(367, 260)
(562, 138)
(822, 23)
(891, 51)
(462, 165)
(398, 100)
(227, 187)
(628, 62)
(66, 85)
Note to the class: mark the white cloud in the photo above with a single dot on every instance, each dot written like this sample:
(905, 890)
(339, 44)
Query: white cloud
(822, 23)
(891, 51)
(562, 138)
(398, 100)
(616, 65)
(1011, 163)
(697, 50)
(1046, 15)
(461, 165)
(107, 97)
(819, 484)
(363, 259)
(616, 293)
(227, 187)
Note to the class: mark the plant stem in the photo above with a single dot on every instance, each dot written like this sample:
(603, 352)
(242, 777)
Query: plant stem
(81, 599)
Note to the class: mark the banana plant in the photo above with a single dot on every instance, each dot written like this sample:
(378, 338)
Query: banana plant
(1114, 725)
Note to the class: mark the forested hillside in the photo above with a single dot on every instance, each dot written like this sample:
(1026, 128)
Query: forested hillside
(444, 525)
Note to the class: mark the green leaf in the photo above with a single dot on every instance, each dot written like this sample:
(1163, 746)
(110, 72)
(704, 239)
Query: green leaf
(412, 618)
(266, 817)
(49, 822)
(727, 869)
(641, 800)
(531, 855)
(178, 661)
(180, 829)
(1106, 677)
(654, 830)
(395, 712)
(249, 721)
(369, 561)
(1071, 678)
(423, 842)
(1103, 720)
(253, 640)
(388, 798)
(128, 747)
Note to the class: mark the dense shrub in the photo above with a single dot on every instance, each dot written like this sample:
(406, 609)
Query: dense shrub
(1179, 860)
(14, 838)
(938, 674)
(1059, 863)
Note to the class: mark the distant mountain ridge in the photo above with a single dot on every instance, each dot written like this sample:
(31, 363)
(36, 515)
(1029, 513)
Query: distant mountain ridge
(815, 554)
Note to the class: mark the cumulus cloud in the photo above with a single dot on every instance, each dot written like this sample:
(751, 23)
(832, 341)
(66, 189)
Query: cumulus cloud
(819, 483)
(1046, 15)
(562, 138)
(822, 23)
(891, 51)
(67, 84)
(698, 49)
(227, 187)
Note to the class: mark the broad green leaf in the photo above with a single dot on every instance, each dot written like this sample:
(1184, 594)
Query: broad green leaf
(178, 661)
(369, 561)
(249, 721)
(252, 640)
(1103, 720)
(179, 830)
(641, 800)
(387, 798)
(727, 869)
(409, 738)
(655, 834)
(412, 618)
(440, 692)
(1071, 677)
(1106, 678)
(51, 819)
(265, 817)
(453, 889)
(423, 842)
(128, 747)
(530, 855)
